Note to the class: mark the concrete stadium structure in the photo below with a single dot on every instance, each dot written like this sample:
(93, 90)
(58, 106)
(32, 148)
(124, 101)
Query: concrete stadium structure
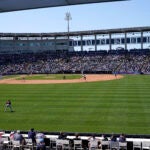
(82, 40)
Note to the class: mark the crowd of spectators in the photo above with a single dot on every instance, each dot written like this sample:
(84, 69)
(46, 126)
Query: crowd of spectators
(39, 140)
(121, 63)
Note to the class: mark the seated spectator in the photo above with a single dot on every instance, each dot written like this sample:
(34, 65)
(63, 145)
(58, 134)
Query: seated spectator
(11, 136)
(41, 145)
(104, 138)
(113, 138)
(122, 138)
(40, 141)
(77, 136)
(1, 133)
(62, 135)
(94, 142)
(18, 136)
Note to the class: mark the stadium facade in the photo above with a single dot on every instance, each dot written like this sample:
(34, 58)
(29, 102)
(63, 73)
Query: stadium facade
(124, 38)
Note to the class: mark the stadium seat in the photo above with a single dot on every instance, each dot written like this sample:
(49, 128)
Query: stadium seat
(62, 144)
(5, 142)
(16, 145)
(145, 145)
(137, 145)
(1, 145)
(93, 144)
(123, 145)
(52, 143)
(77, 144)
(65, 144)
(29, 144)
(59, 144)
(114, 145)
(105, 144)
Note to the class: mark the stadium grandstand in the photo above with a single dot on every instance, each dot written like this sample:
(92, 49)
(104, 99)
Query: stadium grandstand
(30, 53)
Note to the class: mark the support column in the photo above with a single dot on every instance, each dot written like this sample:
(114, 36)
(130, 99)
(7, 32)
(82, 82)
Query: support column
(55, 43)
(110, 41)
(141, 39)
(81, 43)
(125, 41)
(95, 42)
(14, 44)
(68, 42)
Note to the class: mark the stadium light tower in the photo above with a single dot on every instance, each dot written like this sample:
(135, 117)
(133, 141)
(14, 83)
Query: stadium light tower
(68, 18)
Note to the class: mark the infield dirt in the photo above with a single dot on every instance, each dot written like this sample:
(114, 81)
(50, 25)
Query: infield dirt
(89, 78)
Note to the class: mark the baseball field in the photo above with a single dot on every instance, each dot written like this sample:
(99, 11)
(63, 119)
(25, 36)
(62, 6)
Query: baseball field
(117, 105)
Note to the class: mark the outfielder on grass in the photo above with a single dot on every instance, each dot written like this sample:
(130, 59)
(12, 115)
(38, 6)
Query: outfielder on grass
(8, 105)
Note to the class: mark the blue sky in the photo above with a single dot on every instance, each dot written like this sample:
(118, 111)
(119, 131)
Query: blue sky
(132, 13)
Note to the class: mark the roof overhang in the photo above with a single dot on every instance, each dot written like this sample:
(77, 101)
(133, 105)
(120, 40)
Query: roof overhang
(15, 5)
(79, 33)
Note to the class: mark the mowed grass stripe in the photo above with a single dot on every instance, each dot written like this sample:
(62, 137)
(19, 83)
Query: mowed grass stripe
(111, 106)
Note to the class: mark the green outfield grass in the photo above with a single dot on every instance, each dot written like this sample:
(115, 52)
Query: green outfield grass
(10, 76)
(104, 107)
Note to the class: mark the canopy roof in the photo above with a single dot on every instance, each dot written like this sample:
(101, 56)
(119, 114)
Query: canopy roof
(79, 33)
(14, 5)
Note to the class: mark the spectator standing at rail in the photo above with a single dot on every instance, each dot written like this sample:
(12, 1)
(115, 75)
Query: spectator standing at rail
(8, 105)
(32, 135)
